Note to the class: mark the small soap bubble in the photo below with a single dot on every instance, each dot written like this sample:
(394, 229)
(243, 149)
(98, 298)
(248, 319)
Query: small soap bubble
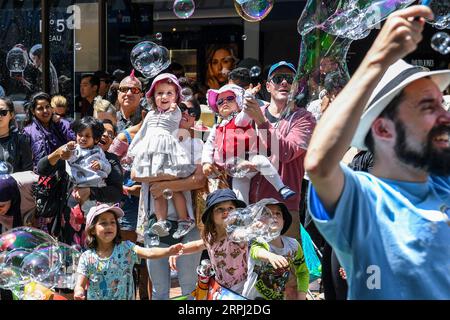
(167, 194)
(255, 71)
(440, 42)
(183, 9)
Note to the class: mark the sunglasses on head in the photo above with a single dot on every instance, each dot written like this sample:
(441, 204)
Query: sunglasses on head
(190, 111)
(278, 78)
(4, 112)
(228, 99)
(134, 90)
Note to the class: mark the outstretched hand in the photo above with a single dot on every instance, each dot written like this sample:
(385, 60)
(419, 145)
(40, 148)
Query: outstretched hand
(176, 249)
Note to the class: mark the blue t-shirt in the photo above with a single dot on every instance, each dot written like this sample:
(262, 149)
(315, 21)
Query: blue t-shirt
(110, 278)
(390, 236)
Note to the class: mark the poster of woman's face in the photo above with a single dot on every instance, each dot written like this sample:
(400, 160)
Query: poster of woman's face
(221, 59)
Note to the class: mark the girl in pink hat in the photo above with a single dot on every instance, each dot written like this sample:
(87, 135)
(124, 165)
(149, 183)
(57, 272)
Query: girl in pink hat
(158, 154)
(232, 144)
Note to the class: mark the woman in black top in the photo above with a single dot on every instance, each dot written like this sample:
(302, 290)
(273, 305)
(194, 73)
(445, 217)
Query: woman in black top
(15, 147)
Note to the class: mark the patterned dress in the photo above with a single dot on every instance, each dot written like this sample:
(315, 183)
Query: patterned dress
(110, 278)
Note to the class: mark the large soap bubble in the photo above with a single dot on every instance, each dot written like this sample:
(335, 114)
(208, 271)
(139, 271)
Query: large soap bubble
(40, 264)
(253, 10)
(183, 9)
(149, 59)
(30, 255)
(356, 18)
(255, 222)
(328, 28)
(441, 11)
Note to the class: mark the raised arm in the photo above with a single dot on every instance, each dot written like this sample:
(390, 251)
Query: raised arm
(333, 134)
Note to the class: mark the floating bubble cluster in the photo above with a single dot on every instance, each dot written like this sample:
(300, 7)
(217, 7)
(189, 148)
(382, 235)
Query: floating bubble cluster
(30, 255)
(255, 222)
(355, 19)
(441, 43)
(183, 9)
(149, 58)
(441, 11)
(328, 28)
(253, 10)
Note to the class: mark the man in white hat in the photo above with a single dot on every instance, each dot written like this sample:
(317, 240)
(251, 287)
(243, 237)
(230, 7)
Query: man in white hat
(388, 227)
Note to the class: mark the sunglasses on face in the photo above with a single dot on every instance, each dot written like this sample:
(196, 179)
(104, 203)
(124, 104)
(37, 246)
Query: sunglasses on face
(190, 111)
(3, 113)
(227, 99)
(134, 90)
(278, 78)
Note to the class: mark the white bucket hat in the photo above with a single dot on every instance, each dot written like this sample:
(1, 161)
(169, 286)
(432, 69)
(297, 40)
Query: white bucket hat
(396, 78)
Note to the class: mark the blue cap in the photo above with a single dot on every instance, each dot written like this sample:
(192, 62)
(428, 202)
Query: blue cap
(281, 64)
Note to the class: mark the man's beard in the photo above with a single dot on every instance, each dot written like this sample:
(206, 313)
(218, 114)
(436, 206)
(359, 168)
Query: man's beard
(432, 160)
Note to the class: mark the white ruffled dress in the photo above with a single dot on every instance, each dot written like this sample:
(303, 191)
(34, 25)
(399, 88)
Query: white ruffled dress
(156, 150)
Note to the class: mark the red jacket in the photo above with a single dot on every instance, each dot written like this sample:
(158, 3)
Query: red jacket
(234, 141)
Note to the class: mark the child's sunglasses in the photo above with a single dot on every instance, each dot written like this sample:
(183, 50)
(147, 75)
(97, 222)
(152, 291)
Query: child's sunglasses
(278, 78)
(228, 99)
(3, 112)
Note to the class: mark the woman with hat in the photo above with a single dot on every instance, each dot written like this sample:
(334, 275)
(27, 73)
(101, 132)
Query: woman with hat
(229, 259)
(272, 264)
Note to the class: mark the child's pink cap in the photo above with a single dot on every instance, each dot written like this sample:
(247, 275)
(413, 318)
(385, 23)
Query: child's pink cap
(99, 209)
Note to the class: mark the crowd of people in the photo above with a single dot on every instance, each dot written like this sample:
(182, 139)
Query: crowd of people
(369, 165)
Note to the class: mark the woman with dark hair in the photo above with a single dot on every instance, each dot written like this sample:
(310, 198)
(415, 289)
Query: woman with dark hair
(45, 134)
(10, 215)
(14, 147)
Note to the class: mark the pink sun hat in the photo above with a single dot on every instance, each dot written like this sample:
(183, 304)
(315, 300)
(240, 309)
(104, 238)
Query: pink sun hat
(165, 77)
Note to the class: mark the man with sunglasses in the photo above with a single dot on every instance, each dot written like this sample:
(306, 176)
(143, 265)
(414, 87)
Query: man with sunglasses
(129, 96)
(291, 129)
